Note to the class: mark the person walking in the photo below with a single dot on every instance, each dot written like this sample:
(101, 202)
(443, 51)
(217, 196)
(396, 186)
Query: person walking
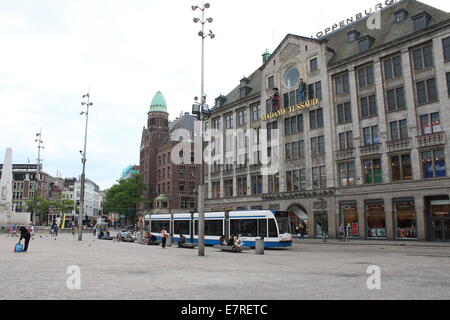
(55, 230)
(25, 234)
(302, 231)
(348, 232)
(163, 238)
(342, 232)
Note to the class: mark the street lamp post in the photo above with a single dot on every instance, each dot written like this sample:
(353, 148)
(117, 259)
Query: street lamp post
(38, 175)
(88, 104)
(200, 113)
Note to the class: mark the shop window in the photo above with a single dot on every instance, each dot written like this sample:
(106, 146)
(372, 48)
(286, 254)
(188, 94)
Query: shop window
(376, 219)
(406, 219)
(430, 123)
(347, 173)
(349, 216)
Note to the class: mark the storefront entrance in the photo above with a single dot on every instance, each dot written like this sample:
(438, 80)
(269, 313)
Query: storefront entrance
(299, 221)
(439, 219)
(321, 225)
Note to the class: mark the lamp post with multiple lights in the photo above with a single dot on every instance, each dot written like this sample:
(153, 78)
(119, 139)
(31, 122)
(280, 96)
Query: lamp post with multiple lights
(88, 104)
(38, 175)
(200, 109)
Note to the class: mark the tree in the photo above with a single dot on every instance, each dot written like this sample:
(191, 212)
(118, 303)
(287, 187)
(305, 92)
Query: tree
(63, 204)
(125, 196)
(42, 208)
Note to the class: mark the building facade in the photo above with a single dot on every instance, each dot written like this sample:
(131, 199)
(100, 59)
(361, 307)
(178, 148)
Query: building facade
(170, 185)
(363, 142)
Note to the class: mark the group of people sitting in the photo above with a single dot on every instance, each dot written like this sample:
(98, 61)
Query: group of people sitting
(149, 238)
(233, 241)
(103, 232)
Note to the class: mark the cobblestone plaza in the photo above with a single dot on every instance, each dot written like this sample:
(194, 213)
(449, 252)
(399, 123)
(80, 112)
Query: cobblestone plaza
(311, 270)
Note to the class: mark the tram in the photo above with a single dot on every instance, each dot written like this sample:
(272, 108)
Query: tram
(274, 226)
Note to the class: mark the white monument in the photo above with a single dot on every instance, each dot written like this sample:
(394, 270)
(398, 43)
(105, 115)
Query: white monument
(8, 216)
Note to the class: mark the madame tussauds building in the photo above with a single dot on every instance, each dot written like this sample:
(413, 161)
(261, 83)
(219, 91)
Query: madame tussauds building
(362, 123)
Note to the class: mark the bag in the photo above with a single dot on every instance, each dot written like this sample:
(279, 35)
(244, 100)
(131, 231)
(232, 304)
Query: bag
(18, 247)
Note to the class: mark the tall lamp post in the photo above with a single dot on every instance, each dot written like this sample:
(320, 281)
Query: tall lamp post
(199, 108)
(38, 175)
(88, 104)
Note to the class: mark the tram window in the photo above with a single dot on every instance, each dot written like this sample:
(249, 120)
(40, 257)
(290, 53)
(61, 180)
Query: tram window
(213, 228)
(157, 226)
(181, 227)
(273, 232)
(196, 227)
(246, 228)
(262, 228)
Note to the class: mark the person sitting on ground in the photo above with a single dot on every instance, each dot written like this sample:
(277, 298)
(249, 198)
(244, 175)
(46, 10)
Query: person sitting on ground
(237, 244)
(231, 241)
(182, 241)
(223, 240)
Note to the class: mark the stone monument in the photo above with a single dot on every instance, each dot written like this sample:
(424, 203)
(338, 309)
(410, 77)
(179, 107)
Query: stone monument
(8, 216)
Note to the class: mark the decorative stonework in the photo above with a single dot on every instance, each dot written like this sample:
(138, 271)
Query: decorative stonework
(291, 50)
(300, 195)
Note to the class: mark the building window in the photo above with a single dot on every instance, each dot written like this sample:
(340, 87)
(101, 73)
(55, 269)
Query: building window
(290, 98)
(257, 185)
(256, 112)
(423, 57)
(242, 117)
(399, 130)
(426, 91)
(448, 83)
(315, 91)
(341, 84)
(344, 112)
(271, 126)
(368, 106)
(446, 47)
(228, 188)
(365, 76)
(433, 164)
(274, 183)
(405, 218)
(376, 219)
(365, 43)
(313, 64)
(372, 171)
(293, 125)
(393, 68)
(229, 121)
(346, 140)
(347, 173)
(400, 15)
(319, 177)
(316, 119)
(401, 168)
(396, 99)
(216, 189)
(216, 123)
(271, 82)
(242, 186)
(295, 180)
(430, 123)
(182, 185)
(318, 146)
(421, 21)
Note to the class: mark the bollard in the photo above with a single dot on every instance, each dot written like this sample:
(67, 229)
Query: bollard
(259, 247)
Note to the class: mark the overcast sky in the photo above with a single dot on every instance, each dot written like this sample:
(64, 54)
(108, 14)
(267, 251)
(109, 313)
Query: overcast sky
(53, 50)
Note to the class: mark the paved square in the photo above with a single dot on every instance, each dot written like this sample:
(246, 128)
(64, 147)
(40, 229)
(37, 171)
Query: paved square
(112, 270)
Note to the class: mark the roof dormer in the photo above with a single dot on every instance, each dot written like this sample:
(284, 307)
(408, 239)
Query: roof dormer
(353, 35)
(421, 21)
(365, 43)
(400, 15)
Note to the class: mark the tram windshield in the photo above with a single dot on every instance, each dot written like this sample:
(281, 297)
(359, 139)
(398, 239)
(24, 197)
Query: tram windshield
(283, 221)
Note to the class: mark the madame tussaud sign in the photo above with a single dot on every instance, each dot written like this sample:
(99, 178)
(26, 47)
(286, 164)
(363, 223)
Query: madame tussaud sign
(291, 109)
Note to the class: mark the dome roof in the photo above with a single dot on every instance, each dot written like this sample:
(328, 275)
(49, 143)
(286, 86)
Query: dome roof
(158, 103)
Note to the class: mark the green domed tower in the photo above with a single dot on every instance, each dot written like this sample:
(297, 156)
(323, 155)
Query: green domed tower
(158, 103)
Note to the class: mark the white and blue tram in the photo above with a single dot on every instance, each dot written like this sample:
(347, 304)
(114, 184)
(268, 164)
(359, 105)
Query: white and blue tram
(274, 226)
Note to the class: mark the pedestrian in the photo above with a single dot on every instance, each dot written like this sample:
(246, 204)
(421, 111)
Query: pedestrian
(163, 238)
(342, 232)
(348, 231)
(302, 231)
(25, 234)
(55, 230)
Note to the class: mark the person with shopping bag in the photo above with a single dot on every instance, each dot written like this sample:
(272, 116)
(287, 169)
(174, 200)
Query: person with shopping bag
(25, 234)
